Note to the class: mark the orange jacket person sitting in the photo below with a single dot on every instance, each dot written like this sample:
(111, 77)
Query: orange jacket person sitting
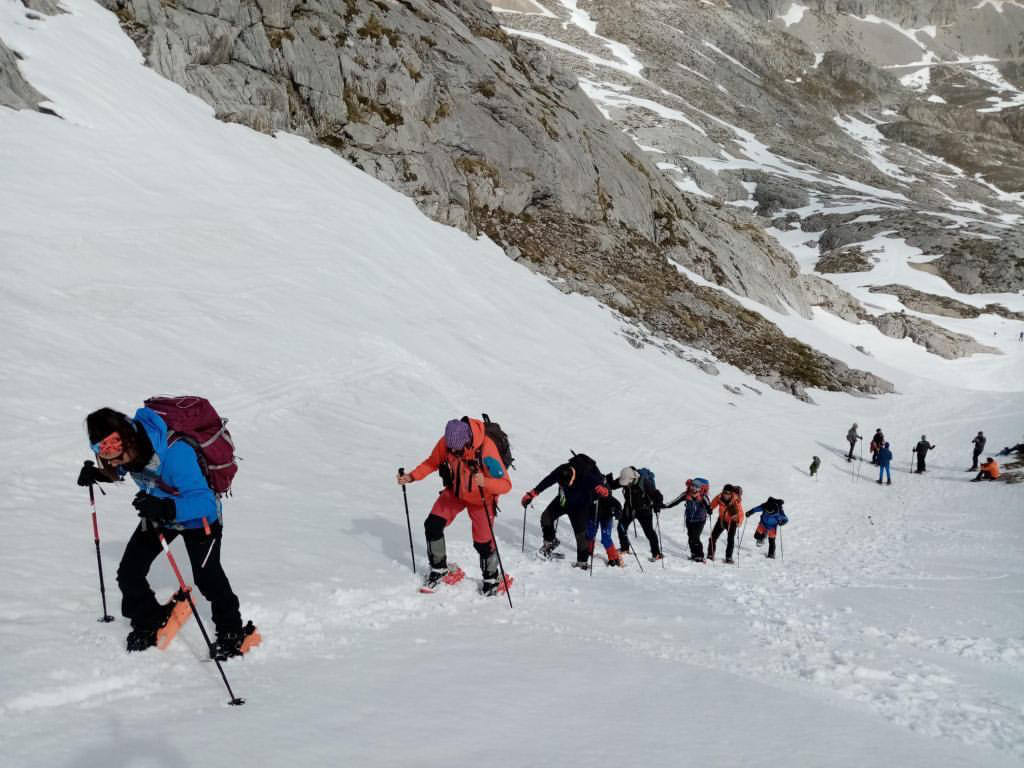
(989, 470)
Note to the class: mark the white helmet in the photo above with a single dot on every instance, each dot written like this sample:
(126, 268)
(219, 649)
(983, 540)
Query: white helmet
(628, 476)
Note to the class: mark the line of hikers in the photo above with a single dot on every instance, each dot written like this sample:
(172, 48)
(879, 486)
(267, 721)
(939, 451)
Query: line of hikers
(881, 455)
(472, 458)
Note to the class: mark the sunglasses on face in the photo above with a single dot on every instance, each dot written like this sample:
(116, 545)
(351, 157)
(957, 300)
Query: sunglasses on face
(110, 448)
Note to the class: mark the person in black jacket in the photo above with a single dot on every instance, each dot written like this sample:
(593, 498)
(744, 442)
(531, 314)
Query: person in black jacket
(921, 449)
(979, 447)
(580, 486)
(696, 513)
(641, 502)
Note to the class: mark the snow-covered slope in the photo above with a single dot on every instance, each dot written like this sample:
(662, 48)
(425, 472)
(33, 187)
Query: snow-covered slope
(147, 247)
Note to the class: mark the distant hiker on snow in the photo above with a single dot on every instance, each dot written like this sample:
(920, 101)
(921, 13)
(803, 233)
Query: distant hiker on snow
(852, 437)
(174, 499)
(921, 450)
(580, 486)
(979, 447)
(876, 445)
(884, 459)
(730, 515)
(641, 502)
(815, 464)
(989, 470)
(695, 514)
(474, 476)
(772, 516)
(1018, 448)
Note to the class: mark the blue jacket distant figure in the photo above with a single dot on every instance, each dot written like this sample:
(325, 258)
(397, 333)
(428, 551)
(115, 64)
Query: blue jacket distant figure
(884, 459)
(772, 516)
(695, 513)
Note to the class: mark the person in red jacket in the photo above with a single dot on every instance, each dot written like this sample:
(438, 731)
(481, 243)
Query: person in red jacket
(730, 515)
(474, 476)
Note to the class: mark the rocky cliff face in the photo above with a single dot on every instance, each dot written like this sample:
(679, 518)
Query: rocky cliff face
(485, 132)
(877, 129)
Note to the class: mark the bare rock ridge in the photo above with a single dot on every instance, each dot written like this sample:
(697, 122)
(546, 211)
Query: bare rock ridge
(483, 131)
(15, 91)
(912, 111)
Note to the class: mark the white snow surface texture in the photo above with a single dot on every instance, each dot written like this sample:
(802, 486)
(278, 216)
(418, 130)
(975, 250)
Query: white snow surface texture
(146, 247)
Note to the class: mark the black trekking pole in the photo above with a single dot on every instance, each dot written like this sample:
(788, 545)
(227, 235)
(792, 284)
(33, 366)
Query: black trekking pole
(633, 550)
(497, 553)
(740, 544)
(593, 541)
(187, 592)
(781, 556)
(661, 547)
(106, 618)
(408, 524)
(524, 528)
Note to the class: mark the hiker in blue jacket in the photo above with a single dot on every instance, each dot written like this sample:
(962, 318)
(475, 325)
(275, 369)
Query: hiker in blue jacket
(695, 513)
(174, 499)
(884, 459)
(772, 516)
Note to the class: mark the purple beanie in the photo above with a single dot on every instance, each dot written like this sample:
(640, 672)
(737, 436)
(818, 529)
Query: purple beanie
(457, 435)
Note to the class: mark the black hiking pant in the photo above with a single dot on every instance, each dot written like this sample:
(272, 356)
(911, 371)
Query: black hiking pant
(577, 517)
(693, 532)
(974, 459)
(139, 604)
(729, 541)
(983, 475)
(849, 456)
(920, 462)
(646, 519)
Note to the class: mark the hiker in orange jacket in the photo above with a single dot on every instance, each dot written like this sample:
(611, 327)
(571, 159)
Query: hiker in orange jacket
(729, 504)
(474, 476)
(989, 470)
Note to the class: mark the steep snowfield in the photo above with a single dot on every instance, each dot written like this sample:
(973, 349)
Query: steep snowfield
(146, 247)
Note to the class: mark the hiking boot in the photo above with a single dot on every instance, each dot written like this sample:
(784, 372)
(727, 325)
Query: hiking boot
(888, 482)
(489, 587)
(759, 541)
(141, 639)
(229, 644)
(729, 560)
(770, 555)
(547, 550)
(656, 557)
(617, 562)
(434, 578)
(878, 481)
(583, 565)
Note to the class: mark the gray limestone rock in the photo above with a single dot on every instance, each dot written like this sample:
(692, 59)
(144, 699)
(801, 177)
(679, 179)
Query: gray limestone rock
(485, 132)
(930, 304)
(932, 337)
(15, 92)
(821, 293)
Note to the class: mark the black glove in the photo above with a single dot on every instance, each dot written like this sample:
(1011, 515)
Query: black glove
(92, 474)
(156, 511)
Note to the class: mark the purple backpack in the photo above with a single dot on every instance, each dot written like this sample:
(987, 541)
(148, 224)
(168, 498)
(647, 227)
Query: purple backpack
(194, 420)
